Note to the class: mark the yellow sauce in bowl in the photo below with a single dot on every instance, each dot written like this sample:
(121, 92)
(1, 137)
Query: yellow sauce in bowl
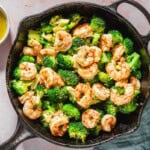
(3, 25)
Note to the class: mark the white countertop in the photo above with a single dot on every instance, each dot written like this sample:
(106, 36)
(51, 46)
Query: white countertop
(17, 9)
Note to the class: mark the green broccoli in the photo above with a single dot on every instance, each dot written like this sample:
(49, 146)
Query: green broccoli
(69, 77)
(46, 116)
(97, 24)
(65, 61)
(45, 104)
(33, 34)
(50, 61)
(106, 79)
(71, 94)
(20, 87)
(128, 108)
(48, 37)
(76, 43)
(116, 36)
(74, 20)
(16, 73)
(134, 61)
(136, 93)
(77, 131)
(88, 41)
(106, 57)
(27, 59)
(46, 28)
(95, 40)
(137, 74)
(111, 108)
(95, 131)
(119, 90)
(128, 44)
(58, 94)
(71, 111)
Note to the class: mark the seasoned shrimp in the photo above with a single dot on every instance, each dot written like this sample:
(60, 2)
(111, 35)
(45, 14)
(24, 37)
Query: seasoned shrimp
(106, 42)
(48, 51)
(31, 110)
(101, 92)
(28, 71)
(90, 118)
(135, 82)
(117, 52)
(118, 74)
(83, 31)
(118, 99)
(83, 94)
(88, 73)
(50, 78)
(36, 46)
(108, 122)
(28, 51)
(88, 55)
(121, 83)
(59, 124)
(25, 97)
(63, 41)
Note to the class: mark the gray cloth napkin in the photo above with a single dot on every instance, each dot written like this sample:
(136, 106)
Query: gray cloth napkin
(138, 140)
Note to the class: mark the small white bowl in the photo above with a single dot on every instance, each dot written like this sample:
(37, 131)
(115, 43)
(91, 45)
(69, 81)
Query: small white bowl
(3, 11)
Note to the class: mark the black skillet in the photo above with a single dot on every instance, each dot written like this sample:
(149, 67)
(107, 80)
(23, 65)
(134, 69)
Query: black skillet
(26, 128)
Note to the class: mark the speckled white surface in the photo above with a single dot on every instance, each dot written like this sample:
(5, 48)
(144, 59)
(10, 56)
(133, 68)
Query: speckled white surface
(17, 9)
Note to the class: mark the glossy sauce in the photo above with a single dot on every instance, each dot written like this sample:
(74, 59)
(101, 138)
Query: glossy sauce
(3, 25)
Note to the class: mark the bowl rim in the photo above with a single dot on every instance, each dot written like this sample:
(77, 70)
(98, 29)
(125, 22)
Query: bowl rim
(4, 12)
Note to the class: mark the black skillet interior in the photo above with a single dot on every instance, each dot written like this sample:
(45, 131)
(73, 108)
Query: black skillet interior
(113, 21)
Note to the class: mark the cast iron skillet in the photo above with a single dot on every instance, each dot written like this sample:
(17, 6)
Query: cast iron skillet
(28, 129)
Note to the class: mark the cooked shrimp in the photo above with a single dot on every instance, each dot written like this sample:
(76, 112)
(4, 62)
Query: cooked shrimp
(39, 59)
(83, 94)
(28, 71)
(101, 92)
(121, 83)
(118, 99)
(63, 41)
(117, 52)
(88, 55)
(88, 73)
(36, 46)
(31, 110)
(28, 51)
(106, 42)
(90, 118)
(50, 78)
(118, 74)
(108, 122)
(135, 82)
(83, 31)
(59, 124)
(25, 97)
(49, 51)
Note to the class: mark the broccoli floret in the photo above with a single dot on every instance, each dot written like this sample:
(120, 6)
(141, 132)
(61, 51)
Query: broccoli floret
(65, 61)
(106, 79)
(136, 93)
(134, 61)
(33, 34)
(116, 36)
(69, 77)
(40, 90)
(50, 61)
(95, 131)
(101, 112)
(46, 116)
(71, 94)
(57, 94)
(137, 74)
(88, 41)
(55, 19)
(46, 28)
(95, 40)
(45, 104)
(71, 111)
(128, 108)
(128, 44)
(97, 24)
(27, 59)
(106, 57)
(74, 20)
(119, 90)
(20, 87)
(76, 43)
(111, 108)
(17, 73)
(48, 37)
(77, 131)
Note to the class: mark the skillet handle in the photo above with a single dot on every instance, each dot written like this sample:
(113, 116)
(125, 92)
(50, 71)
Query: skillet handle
(115, 5)
(20, 135)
